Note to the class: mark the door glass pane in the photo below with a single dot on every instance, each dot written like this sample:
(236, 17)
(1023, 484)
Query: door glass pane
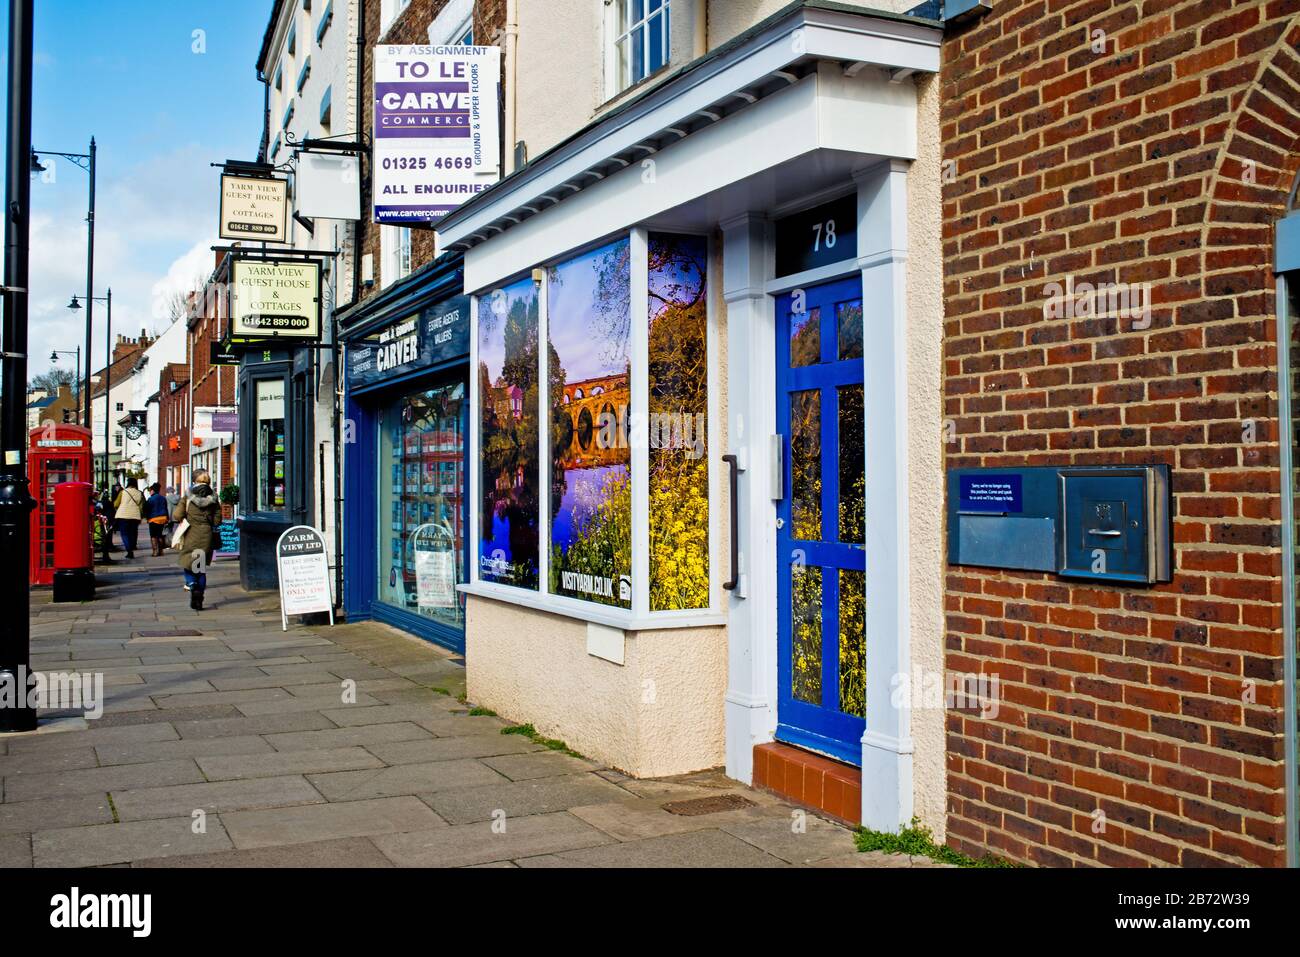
(806, 465)
(853, 473)
(806, 338)
(806, 629)
(848, 320)
(853, 642)
(421, 505)
(270, 446)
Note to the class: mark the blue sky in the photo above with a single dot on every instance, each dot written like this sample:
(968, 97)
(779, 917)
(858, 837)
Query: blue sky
(162, 103)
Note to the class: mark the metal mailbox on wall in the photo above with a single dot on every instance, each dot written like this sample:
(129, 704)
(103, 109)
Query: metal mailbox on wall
(1106, 523)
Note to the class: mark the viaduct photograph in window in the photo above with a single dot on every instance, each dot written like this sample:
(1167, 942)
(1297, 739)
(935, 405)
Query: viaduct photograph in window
(508, 435)
(589, 328)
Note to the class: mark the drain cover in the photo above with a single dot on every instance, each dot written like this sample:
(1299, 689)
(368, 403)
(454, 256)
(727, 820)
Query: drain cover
(168, 633)
(708, 805)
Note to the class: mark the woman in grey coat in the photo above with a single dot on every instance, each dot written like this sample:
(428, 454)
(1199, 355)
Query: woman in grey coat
(202, 510)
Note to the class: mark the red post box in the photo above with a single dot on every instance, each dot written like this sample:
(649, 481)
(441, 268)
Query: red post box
(74, 560)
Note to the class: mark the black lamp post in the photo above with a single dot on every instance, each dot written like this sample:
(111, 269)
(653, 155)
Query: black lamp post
(84, 161)
(108, 370)
(54, 358)
(15, 500)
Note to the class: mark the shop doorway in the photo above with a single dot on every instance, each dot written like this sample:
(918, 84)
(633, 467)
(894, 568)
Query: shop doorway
(821, 520)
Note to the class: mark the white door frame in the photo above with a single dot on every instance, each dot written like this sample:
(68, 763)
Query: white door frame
(749, 290)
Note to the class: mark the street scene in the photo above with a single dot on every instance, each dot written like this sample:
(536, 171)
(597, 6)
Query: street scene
(823, 438)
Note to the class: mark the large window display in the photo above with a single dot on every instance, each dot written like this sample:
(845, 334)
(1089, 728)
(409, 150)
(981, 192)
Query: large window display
(589, 332)
(271, 449)
(421, 483)
(626, 423)
(508, 438)
(678, 425)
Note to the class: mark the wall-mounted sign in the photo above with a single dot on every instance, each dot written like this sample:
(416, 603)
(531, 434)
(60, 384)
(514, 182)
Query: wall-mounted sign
(304, 574)
(254, 207)
(327, 186)
(219, 356)
(214, 423)
(434, 335)
(275, 298)
(987, 492)
(816, 237)
(437, 129)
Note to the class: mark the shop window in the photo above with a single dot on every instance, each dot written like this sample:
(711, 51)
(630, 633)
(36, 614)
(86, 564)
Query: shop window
(589, 334)
(595, 325)
(271, 446)
(421, 515)
(678, 354)
(639, 33)
(508, 438)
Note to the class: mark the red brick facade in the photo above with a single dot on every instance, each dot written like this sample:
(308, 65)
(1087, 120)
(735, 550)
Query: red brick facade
(1138, 726)
(173, 422)
(212, 385)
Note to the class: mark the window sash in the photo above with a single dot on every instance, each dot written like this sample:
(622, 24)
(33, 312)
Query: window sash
(641, 40)
(640, 616)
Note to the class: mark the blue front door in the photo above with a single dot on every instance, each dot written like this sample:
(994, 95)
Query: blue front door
(821, 556)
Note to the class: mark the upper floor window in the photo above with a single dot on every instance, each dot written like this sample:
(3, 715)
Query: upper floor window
(639, 34)
(291, 41)
(326, 18)
(389, 11)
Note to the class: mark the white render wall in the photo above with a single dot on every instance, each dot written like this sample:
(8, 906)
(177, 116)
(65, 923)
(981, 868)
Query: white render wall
(142, 383)
(333, 67)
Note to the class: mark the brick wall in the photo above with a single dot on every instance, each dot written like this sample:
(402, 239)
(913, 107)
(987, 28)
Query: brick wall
(1138, 726)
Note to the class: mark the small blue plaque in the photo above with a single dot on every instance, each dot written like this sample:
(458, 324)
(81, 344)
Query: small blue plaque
(991, 493)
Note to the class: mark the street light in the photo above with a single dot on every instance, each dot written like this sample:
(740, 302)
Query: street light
(84, 161)
(108, 369)
(54, 360)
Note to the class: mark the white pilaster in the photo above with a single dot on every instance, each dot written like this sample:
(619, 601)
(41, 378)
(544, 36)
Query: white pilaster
(751, 607)
(882, 251)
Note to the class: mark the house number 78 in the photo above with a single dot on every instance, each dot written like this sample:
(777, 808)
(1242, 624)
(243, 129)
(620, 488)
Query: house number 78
(827, 230)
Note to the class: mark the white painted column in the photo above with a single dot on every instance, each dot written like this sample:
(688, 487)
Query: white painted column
(751, 402)
(882, 250)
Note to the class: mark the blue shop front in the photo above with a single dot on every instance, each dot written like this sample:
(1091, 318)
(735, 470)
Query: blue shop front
(405, 469)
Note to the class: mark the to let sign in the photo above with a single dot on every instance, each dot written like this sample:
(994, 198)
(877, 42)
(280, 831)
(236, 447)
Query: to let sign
(304, 574)
(254, 207)
(436, 129)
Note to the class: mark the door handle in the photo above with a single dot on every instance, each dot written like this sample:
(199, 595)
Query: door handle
(731, 460)
(1109, 533)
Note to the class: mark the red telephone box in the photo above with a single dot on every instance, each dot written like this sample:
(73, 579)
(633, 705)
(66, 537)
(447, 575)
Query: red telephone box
(56, 454)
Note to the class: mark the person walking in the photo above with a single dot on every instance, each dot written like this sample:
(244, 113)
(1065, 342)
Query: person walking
(156, 513)
(173, 499)
(110, 519)
(103, 531)
(200, 513)
(130, 512)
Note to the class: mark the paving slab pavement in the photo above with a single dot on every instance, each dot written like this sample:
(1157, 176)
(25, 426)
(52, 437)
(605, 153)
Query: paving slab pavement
(328, 747)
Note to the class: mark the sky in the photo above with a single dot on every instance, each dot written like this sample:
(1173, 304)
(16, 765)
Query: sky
(165, 87)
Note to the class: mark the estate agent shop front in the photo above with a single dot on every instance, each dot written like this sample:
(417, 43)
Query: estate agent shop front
(406, 414)
(690, 322)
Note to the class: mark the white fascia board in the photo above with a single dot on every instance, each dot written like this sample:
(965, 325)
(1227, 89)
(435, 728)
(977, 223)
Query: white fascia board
(816, 33)
(882, 123)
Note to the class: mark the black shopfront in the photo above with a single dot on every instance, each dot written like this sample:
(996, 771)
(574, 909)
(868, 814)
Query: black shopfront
(406, 411)
(277, 397)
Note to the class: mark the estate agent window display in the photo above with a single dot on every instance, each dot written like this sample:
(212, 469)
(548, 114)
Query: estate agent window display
(582, 506)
